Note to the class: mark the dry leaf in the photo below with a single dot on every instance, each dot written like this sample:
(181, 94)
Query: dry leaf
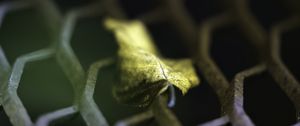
(143, 73)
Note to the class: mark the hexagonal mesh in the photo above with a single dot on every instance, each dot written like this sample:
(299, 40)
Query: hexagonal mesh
(198, 40)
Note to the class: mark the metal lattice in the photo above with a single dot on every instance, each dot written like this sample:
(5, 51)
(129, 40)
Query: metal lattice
(230, 93)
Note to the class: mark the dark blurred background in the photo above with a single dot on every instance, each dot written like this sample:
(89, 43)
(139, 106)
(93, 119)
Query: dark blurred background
(45, 88)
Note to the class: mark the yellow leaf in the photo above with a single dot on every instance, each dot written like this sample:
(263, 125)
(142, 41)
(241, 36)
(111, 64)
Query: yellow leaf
(181, 74)
(143, 74)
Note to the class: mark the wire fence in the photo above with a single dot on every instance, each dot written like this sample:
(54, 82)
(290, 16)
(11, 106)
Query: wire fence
(198, 40)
